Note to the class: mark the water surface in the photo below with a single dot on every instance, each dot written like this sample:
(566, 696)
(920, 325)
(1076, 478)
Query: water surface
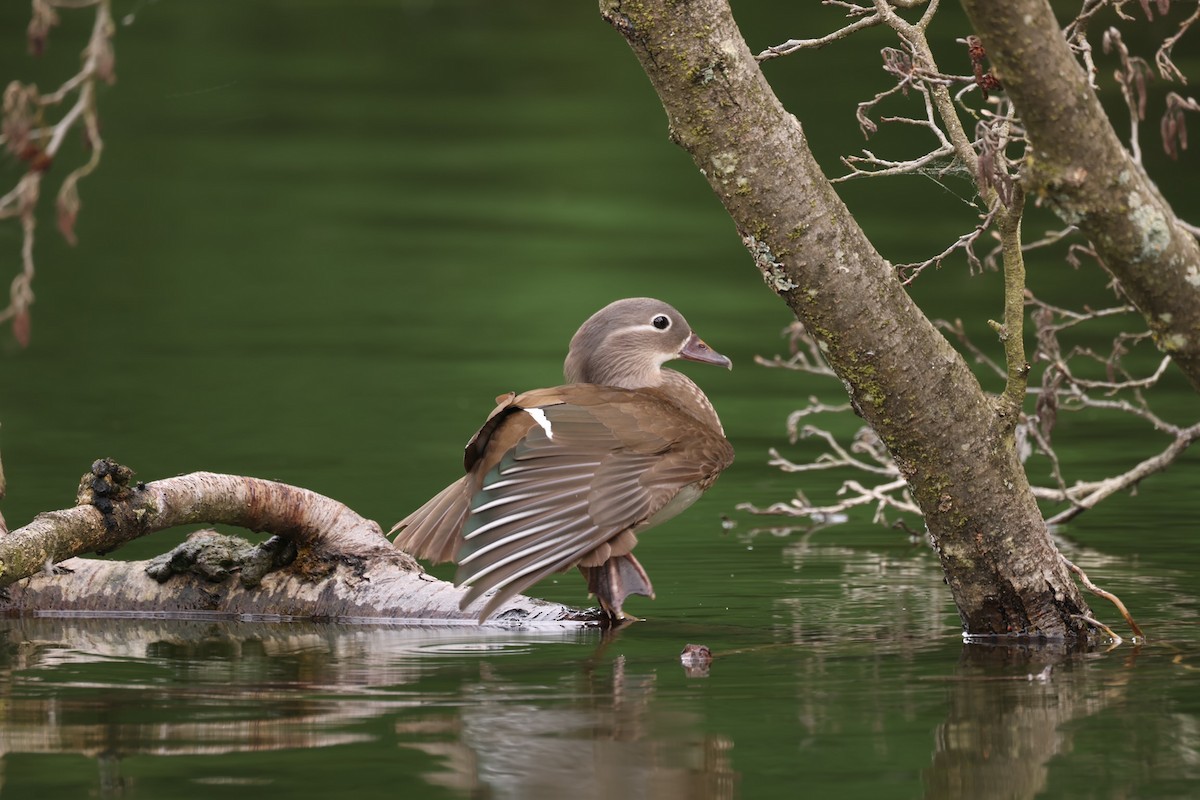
(323, 238)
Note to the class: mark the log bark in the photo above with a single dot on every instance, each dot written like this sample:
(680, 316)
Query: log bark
(1080, 169)
(953, 444)
(324, 562)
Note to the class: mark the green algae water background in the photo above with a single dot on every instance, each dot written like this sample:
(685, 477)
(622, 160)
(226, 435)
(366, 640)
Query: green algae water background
(324, 236)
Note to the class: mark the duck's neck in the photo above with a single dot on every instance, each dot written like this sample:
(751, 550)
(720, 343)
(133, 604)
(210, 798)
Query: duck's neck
(624, 372)
(627, 374)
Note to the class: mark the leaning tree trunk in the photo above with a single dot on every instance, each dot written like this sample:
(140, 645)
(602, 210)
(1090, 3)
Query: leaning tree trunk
(1081, 170)
(953, 444)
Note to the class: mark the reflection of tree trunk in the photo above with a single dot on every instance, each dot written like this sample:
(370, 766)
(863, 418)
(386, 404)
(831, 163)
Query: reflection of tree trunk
(324, 561)
(952, 443)
(1003, 729)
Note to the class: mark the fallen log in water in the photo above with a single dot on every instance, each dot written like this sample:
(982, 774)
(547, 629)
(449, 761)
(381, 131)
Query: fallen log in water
(323, 561)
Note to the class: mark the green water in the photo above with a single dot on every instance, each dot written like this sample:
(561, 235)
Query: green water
(323, 238)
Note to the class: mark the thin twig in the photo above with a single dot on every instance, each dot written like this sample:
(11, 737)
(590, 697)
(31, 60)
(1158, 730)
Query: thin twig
(1112, 598)
(1089, 619)
(794, 45)
(1166, 67)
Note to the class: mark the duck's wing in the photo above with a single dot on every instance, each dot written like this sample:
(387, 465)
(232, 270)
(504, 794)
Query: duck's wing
(569, 474)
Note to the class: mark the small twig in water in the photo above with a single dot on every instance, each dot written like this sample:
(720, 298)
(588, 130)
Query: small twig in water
(1112, 598)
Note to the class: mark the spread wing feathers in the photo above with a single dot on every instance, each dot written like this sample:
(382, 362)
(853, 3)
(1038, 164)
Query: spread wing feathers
(566, 488)
(431, 532)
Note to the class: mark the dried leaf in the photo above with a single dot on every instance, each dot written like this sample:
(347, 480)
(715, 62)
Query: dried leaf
(1173, 133)
(898, 63)
(21, 326)
(43, 19)
(69, 209)
(1046, 406)
(991, 170)
(1174, 124)
(984, 79)
(20, 118)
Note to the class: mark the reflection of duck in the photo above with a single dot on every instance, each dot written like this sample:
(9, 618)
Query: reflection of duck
(612, 738)
(570, 475)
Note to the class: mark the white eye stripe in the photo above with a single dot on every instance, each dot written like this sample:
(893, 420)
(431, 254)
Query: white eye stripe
(639, 328)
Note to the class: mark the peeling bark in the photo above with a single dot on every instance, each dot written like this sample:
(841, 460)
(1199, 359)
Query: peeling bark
(324, 562)
(1080, 169)
(953, 443)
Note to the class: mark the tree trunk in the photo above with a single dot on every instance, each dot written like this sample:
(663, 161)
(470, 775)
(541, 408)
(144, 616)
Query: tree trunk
(953, 444)
(324, 562)
(1081, 170)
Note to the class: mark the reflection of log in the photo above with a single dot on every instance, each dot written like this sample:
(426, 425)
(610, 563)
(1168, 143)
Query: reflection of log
(189, 688)
(325, 561)
(251, 667)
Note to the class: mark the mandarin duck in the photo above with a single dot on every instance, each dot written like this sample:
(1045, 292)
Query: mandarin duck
(570, 476)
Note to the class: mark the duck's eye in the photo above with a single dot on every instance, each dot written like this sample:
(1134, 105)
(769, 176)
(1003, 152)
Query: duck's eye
(662, 322)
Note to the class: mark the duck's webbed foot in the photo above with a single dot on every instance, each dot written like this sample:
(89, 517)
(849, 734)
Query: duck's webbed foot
(615, 580)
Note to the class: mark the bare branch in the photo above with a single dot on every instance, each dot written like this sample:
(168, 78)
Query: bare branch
(804, 353)
(1076, 32)
(960, 333)
(793, 45)
(892, 495)
(1166, 67)
(1012, 330)
(1085, 495)
(112, 510)
(24, 134)
(966, 243)
(813, 408)
(325, 560)
(838, 455)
